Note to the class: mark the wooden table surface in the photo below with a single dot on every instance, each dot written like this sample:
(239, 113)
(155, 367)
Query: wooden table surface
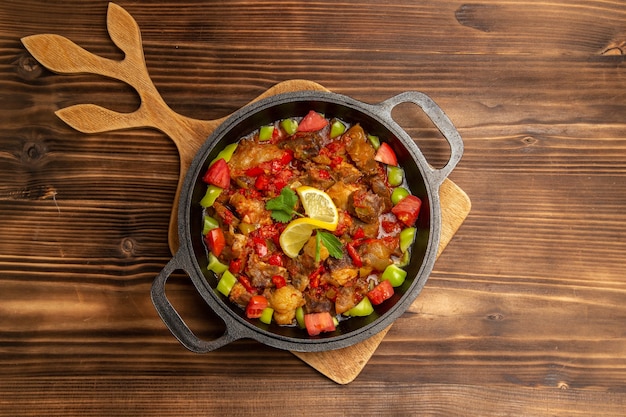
(525, 311)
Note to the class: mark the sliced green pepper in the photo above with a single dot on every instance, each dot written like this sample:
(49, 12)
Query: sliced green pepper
(398, 194)
(374, 140)
(395, 175)
(364, 308)
(215, 265)
(394, 274)
(266, 315)
(300, 317)
(210, 196)
(290, 126)
(209, 223)
(225, 153)
(406, 238)
(336, 128)
(226, 283)
(266, 132)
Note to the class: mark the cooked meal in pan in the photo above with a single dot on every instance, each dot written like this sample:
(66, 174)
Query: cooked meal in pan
(308, 221)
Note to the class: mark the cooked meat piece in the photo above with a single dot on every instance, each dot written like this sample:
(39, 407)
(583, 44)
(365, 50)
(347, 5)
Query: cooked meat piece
(365, 205)
(248, 156)
(251, 211)
(347, 173)
(360, 150)
(261, 273)
(305, 145)
(340, 192)
(239, 295)
(341, 271)
(224, 214)
(381, 190)
(317, 303)
(300, 282)
(317, 176)
(346, 299)
(377, 252)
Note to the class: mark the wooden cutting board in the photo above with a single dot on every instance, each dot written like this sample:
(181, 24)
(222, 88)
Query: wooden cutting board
(63, 56)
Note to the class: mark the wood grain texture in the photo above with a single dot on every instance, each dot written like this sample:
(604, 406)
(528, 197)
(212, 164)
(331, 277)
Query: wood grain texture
(524, 311)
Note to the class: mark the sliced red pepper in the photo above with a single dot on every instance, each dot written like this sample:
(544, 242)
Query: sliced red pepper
(236, 266)
(407, 210)
(317, 323)
(275, 260)
(356, 258)
(255, 306)
(287, 157)
(243, 280)
(262, 182)
(323, 174)
(254, 172)
(381, 292)
(279, 281)
(314, 277)
(359, 234)
(386, 155)
(215, 241)
(260, 246)
(218, 174)
(312, 122)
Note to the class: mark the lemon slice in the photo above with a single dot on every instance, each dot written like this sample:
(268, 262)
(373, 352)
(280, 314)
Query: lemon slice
(319, 206)
(298, 232)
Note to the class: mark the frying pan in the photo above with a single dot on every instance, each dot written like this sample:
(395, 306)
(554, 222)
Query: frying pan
(423, 180)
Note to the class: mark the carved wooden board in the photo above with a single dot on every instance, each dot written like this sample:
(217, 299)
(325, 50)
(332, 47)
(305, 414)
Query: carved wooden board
(61, 55)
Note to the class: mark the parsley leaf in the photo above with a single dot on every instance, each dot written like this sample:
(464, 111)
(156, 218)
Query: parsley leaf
(331, 242)
(282, 207)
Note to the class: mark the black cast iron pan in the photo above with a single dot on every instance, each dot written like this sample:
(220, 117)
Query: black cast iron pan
(424, 182)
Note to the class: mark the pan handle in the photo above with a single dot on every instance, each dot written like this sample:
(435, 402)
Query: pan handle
(440, 120)
(172, 319)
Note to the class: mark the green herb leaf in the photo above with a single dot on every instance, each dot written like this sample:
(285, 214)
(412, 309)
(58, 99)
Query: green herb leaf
(332, 243)
(283, 206)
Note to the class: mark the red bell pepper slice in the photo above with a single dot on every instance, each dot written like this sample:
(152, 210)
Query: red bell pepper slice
(317, 323)
(215, 241)
(381, 292)
(255, 306)
(218, 174)
(386, 155)
(279, 281)
(408, 209)
(356, 258)
(312, 122)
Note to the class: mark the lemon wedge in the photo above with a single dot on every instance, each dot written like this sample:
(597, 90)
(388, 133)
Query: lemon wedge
(319, 206)
(298, 232)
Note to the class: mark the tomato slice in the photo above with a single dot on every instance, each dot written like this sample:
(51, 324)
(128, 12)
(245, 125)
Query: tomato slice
(218, 174)
(381, 292)
(386, 155)
(312, 122)
(317, 323)
(407, 210)
(215, 241)
(255, 306)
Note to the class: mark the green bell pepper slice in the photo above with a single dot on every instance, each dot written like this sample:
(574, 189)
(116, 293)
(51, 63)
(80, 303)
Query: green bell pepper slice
(363, 308)
(394, 274)
(226, 283)
(336, 128)
(290, 126)
(215, 265)
(406, 238)
(225, 153)
(212, 192)
(265, 133)
(398, 194)
(266, 315)
(395, 175)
